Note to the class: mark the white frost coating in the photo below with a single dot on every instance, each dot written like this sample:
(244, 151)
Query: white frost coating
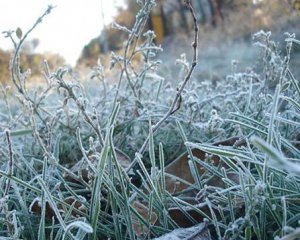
(192, 233)
(36, 200)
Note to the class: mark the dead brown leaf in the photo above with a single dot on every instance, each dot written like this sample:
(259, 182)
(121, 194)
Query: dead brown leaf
(35, 207)
(179, 169)
(82, 168)
(144, 213)
(198, 232)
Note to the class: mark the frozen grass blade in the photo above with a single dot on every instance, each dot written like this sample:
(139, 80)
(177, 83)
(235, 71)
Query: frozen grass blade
(293, 102)
(125, 206)
(274, 155)
(83, 229)
(41, 233)
(96, 190)
(214, 219)
(19, 133)
(52, 203)
(163, 183)
(151, 149)
(250, 97)
(255, 129)
(294, 81)
(270, 135)
(248, 119)
(270, 139)
(284, 217)
(192, 165)
(220, 151)
(149, 180)
(232, 216)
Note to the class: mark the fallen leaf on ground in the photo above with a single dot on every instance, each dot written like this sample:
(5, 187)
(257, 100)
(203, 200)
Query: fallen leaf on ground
(198, 232)
(82, 168)
(179, 169)
(36, 205)
(144, 213)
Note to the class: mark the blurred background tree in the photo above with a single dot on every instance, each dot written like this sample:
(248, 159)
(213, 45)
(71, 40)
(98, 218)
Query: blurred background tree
(234, 19)
(229, 20)
(29, 60)
(110, 39)
(4, 66)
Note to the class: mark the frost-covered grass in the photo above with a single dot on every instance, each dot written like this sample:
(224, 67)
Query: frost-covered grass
(88, 162)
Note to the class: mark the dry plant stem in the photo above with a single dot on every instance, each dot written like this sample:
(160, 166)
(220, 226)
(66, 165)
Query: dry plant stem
(10, 163)
(125, 67)
(51, 159)
(134, 36)
(87, 118)
(177, 100)
(118, 87)
(15, 61)
(37, 136)
(15, 68)
(133, 52)
(4, 92)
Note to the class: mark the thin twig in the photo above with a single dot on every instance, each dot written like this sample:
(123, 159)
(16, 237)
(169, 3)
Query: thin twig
(95, 125)
(133, 40)
(5, 96)
(15, 67)
(175, 106)
(15, 61)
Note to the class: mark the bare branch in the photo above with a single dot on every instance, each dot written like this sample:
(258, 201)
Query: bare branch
(175, 106)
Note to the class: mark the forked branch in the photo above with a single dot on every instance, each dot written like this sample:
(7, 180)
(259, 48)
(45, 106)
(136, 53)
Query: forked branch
(175, 106)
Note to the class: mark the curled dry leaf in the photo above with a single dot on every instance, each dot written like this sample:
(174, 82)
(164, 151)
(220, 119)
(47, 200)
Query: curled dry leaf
(179, 181)
(123, 158)
(36, 207)
(182, 220)
(179, 169)
(144, 213)
(198, 232)
(82, 168)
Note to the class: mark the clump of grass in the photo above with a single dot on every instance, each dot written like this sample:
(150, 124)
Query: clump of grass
(256, 197)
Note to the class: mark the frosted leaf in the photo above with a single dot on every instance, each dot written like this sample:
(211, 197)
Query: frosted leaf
(198, 232)
(119, 27)
(81, 226)
(149, 34)
(155, 76)
(19, 33)
(37, 200)
(260, 188)
(234, 62)
(215, 122)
